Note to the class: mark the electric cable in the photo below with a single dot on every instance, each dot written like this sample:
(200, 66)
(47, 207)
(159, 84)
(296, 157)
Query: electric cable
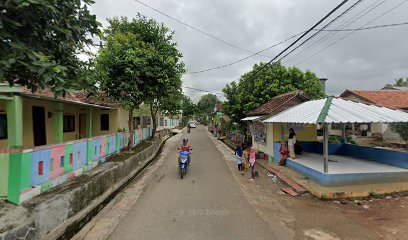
(198, 30)
(381, 15)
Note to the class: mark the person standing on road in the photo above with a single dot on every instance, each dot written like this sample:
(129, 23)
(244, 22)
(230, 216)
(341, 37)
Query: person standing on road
(252, 157)
(291, 143)
(239, 153)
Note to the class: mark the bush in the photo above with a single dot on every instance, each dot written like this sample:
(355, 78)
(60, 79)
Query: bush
(334, 139)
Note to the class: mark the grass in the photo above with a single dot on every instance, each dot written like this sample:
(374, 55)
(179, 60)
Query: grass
(125, 154)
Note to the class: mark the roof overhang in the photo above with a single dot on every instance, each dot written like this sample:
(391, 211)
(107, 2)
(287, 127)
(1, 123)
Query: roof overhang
(64, 101)
(251, 118)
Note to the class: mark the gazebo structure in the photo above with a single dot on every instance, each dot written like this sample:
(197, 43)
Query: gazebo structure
(351, 163)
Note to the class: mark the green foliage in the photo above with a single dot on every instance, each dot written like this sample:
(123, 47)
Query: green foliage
(41, 41)
(188, 107)
(249, 93)
(207, 103)
(401, 82)
(401, 129)
(334, 139)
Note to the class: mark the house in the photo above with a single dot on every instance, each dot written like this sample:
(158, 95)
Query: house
(343, 164)
(394, 98)
(264, 135)
(47, 140)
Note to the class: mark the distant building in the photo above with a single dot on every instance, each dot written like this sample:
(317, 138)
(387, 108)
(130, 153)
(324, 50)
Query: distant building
(396, 98)
(264, 135)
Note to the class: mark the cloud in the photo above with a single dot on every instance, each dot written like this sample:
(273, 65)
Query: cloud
(364, 60)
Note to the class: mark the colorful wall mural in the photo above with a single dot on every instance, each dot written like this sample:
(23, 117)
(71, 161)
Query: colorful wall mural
(34, 171)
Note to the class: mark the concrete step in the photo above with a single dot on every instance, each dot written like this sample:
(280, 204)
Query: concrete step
(297, 187)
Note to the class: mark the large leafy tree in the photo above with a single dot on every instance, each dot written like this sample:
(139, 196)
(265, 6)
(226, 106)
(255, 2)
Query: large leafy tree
(188, 107)
(251, 92)
(40, 41)
(119, 65)
(206, 104)
(162, 74)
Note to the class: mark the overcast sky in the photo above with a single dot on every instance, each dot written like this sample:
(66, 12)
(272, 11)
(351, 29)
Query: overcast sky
(364, 60)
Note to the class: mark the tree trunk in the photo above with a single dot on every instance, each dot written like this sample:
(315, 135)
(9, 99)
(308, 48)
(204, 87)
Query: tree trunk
(153, 113)
(131, 131)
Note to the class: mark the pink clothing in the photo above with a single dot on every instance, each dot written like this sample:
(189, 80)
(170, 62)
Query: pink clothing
(252, 156)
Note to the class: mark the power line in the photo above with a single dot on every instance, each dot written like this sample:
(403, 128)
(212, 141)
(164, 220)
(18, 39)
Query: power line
(198, 30)
(324, 30)
(381, 15)
(324, 27)
(245, 58)
(357, 16)
(298, 39)
(367, 28)
(202, 90)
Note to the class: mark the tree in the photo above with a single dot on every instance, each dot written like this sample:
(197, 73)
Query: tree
(41, 41)
(207, 103)
(188, 108)
(162, 74)
(401, 82)
(251, 92)
(402, 130)
(119, 66)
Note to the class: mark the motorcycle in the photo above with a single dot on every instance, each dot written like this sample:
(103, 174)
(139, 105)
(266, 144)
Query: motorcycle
(183, 163)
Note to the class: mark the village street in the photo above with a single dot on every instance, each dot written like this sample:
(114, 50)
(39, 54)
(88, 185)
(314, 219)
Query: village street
(215, 202)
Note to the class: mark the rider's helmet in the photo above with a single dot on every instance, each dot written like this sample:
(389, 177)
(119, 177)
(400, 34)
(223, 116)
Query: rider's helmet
(185, 140)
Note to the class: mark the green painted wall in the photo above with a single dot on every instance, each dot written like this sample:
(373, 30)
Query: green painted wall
(69, 149)
(4, 173)
(19, 175)
(59, 121)
(15, 122)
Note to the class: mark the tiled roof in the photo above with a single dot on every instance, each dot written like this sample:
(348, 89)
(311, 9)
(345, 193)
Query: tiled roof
(386, 98)
(280, 103)
(78, 97)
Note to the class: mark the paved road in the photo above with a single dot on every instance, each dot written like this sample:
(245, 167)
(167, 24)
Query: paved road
(206, 204)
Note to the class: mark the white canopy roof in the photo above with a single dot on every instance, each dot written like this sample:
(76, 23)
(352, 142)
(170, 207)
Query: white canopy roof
(337, 110)
(250, 118)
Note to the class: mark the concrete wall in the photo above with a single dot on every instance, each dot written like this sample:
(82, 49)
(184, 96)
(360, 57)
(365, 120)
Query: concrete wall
(34, 171)
(62, 210)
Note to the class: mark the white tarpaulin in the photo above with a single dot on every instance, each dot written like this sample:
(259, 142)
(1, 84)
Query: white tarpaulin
(250, 118)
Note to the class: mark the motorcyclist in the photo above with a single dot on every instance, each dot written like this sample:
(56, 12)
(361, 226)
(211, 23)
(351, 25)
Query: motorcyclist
(188, 127)
(185, 147)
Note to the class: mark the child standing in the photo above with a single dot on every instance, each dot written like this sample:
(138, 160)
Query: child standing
(252, 157)
(284, 153)
(239, 153)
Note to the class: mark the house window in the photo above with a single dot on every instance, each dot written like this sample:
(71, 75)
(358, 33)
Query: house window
(3, 126)
(104, 122)
(69, 123)
(62, 161)
(136, 122)
(146, 120)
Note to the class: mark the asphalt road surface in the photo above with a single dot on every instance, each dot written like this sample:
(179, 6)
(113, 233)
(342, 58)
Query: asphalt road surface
(206, 204)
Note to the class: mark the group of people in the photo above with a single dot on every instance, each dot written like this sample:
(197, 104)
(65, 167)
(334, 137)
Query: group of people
(245, 159)
(290, 148)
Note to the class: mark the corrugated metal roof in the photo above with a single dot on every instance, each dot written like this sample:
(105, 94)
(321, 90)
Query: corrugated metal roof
(250, 118)
(340, 111)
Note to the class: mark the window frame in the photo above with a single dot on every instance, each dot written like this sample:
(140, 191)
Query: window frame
(70, 125)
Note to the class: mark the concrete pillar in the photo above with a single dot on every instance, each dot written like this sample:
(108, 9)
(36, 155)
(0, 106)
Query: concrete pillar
(15, 122)
(59, 123)
(89, 122)
(326, 147)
